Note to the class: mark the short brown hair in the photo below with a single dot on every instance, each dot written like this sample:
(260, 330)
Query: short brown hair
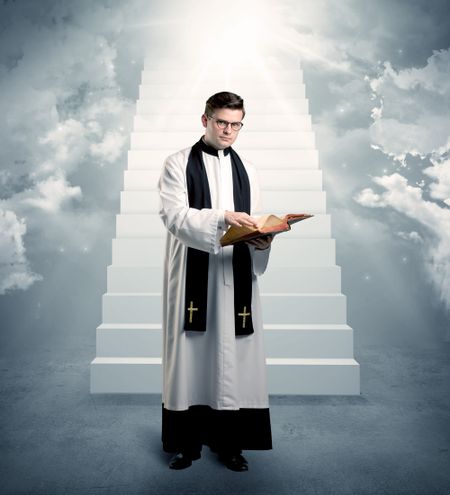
(224, 99)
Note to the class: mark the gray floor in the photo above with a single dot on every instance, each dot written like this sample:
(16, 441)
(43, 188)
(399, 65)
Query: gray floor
(392, 439)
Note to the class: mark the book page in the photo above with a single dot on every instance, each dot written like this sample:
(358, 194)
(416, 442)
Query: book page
(267, 224)
(291, 218)
(270, 221)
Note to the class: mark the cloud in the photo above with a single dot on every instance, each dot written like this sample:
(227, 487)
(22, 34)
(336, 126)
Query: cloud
(67, 92)
(412, 120)
(65, 146)
(14, 270)
(408, 200)
(367, 197)
(110, 148)
(433, 77)
(63, 115)
(412, 116)
(413, 236)
(440, 173)
(49, 194)
(434, 219)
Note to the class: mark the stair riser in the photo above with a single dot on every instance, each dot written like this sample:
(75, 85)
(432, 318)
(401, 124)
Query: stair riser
(313, 379)
(292, 309)
(150, 225)
(279, 343)
(301, 279)
(126, 308)
(262, 159)
(261, 123)
(291, 252)
(280, 180)
(284, 252)
(181, 89)
(134, 279)
(126, 378)
(246, 77)
(274, 202)
(276, 279)
(304, 309)
(129, 342)
(197, 106)
(308, 379)
(180, 140)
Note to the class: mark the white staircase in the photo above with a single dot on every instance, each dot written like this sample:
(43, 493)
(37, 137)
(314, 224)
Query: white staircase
(309, 346)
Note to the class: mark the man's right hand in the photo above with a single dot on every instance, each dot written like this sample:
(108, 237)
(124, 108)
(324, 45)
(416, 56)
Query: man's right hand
(239, 219)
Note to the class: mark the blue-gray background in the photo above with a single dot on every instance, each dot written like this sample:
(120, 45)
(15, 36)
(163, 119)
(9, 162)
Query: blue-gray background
(378, 79)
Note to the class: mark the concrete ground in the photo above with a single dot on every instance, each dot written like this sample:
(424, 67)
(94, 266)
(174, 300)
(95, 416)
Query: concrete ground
(394, 438)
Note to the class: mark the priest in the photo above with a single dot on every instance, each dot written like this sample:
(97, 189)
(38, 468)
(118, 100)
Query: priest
(214, 375)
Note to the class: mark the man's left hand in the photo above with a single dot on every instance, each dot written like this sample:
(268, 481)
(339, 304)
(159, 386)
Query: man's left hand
(261, 242)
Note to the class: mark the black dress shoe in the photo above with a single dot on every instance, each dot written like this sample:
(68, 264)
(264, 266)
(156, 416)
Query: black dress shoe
(183, 460)
(235, 462)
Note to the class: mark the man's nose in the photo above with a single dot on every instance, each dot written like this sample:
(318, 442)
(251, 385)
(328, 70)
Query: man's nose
(227, 128)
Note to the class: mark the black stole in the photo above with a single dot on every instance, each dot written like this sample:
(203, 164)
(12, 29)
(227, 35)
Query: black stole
(196, 287)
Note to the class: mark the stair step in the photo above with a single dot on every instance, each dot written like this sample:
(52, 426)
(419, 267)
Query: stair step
(132, 308)
(250, 139)
(246, 76)
(287, 202)
(285, 376)
(277, 308)
(276, 180)
(308, 341)
(304, 308)
(126, 375)
(285, 251)
(261, 158)
(151, 225)
(313, 376)
(255, 106)
(133, 340)
(265, 123)
(215, 65)
(300, 279)
(291, 252)
(136, 251)
(297, 279)
(281, 341)
(183, 89)
(133, 279)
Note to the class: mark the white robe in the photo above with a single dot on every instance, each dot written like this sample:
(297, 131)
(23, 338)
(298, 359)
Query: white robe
(214, 368)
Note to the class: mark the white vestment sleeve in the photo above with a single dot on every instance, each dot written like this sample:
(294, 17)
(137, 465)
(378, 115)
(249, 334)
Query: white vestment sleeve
(260, 259)
(199, 229)
(260, 256)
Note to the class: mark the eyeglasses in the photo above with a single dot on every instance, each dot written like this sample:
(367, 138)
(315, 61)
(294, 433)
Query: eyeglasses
(223, 124)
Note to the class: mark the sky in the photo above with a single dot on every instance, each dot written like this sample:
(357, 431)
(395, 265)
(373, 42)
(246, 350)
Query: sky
(377, 78)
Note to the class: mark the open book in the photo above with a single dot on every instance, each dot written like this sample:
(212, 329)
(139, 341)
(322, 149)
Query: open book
(268, 224)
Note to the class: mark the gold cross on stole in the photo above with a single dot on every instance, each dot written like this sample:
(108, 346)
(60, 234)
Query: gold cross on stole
(191, 309)
(244, 316)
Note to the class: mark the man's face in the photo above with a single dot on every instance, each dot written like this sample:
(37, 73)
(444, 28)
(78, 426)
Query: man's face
(221, 138)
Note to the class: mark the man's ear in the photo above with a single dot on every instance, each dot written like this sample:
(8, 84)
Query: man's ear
(204, 120)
